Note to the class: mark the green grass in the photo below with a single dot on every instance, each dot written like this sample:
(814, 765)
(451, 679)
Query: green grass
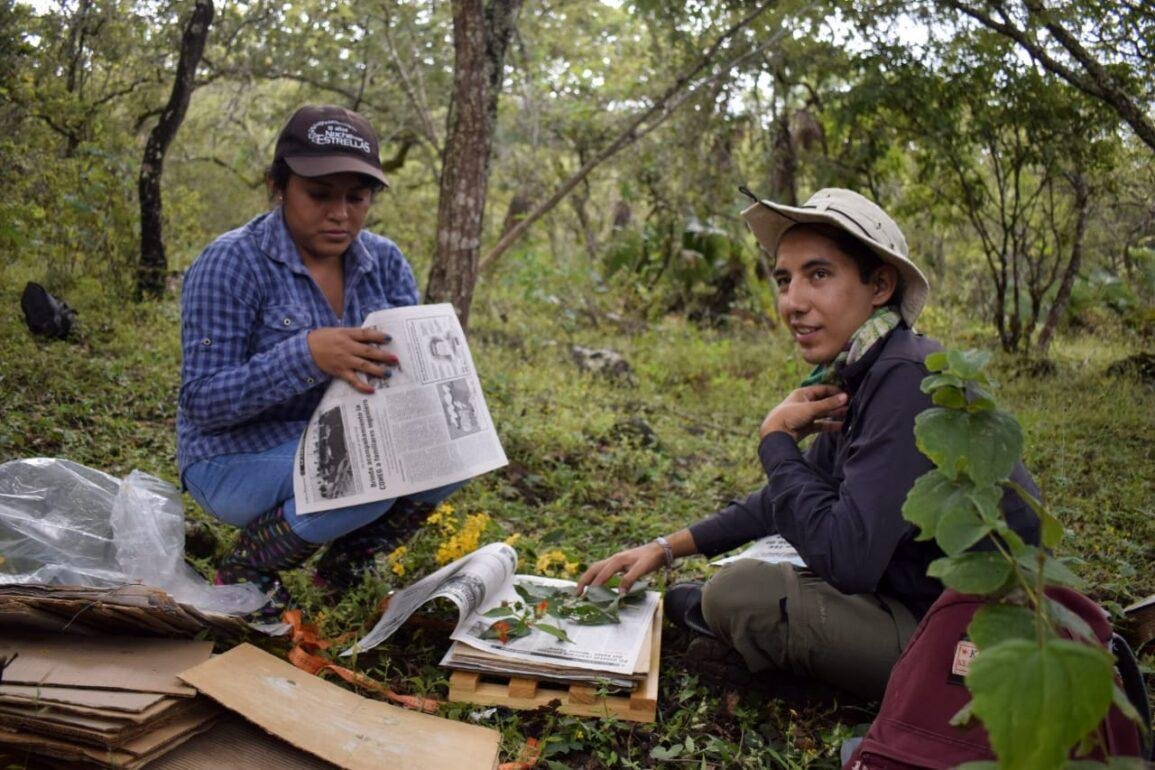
(597, 464)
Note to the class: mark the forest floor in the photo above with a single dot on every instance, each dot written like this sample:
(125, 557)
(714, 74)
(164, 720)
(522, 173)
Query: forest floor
(600, 462)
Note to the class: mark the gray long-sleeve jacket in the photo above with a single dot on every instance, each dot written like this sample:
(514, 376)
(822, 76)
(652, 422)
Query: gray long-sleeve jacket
(840, 504)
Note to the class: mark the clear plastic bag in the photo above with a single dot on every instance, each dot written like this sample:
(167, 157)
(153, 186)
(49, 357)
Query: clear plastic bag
(66, 524)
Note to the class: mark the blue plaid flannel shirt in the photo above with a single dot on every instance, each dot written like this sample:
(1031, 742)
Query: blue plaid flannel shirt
(248, 381)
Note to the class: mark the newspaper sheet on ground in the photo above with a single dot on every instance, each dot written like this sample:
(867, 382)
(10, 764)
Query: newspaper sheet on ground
(483, 579)
(772, 548)
(424, 427)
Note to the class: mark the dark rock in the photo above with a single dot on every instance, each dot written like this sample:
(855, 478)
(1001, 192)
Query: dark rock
(602, 361)
(637, 431)
(199, 540)
(1141, 365)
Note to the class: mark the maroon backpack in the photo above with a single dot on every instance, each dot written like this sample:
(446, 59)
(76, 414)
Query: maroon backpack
(926, 690)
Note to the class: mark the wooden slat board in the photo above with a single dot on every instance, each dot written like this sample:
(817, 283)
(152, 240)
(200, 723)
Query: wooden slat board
(580, 699)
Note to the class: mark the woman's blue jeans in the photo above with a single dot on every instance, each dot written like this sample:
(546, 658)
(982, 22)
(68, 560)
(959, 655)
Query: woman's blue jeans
(237, 488)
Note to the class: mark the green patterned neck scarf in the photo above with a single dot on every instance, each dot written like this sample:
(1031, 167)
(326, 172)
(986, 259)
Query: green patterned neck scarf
(881, 322)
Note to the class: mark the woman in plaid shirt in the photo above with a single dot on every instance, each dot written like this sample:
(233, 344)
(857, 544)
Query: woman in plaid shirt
(270, 313)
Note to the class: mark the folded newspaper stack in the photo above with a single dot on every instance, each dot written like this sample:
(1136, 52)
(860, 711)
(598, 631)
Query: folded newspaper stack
(613, 654)
(617, 654)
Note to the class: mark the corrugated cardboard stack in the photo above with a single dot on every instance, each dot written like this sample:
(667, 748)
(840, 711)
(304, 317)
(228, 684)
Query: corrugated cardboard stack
(85, 681)
(113, 701)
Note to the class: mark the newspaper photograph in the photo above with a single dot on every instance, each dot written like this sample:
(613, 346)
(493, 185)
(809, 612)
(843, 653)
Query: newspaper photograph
(612, 647)
(425, 426)
(467, 582)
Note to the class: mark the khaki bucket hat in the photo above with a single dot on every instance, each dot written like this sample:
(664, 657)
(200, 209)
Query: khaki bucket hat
(857, 216)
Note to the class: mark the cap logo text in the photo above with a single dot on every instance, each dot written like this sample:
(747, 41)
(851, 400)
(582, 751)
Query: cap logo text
(329, 133)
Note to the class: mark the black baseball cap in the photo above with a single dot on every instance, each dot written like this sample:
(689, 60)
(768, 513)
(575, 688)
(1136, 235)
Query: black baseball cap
(322, 139)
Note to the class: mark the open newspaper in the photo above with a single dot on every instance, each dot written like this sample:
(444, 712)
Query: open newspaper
(424, 427)
(772, 549)
(483, 579)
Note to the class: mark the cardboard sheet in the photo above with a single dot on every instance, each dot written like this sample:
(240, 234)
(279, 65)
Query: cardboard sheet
(335, 724)
(162, 708)
(105, 662)
(105, 733)
(234, 744)
(107, 700)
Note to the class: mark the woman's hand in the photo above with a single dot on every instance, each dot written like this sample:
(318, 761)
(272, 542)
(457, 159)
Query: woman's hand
(344, 352)
(632, 562)
(812, 409)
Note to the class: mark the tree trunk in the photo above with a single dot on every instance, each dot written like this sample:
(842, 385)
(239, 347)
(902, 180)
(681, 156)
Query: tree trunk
(481, 34)
(1063, 295)
(783, 163)
(153, 264)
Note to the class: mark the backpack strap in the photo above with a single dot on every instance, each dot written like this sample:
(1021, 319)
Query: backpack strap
(1128, 668)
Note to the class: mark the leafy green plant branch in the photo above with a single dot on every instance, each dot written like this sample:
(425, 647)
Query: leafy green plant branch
(1037, 692)
(598, 605)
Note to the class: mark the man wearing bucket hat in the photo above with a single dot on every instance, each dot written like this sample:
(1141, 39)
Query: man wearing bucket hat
(849, 294)
(270, 313)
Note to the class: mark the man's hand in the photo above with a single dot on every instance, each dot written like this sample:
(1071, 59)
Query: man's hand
(343, 352)
(632, 562)
(813, 409)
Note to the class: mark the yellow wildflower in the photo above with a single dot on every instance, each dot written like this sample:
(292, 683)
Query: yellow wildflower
(512, 539)
(396, 565)
(465, 541)
(555, 563)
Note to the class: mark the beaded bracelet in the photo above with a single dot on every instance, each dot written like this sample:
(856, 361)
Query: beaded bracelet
(667, 549)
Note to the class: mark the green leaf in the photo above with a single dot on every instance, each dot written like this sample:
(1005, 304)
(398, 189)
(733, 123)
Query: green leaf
(997, 623)
(968, 364)
(951, 398)
(512, 630)
(1063, 618)
(637, 590)
(936, 362)
(967, 518)
(978, 766)
(591, 615)
(1054, 570)
(983, 445)
(980, 399)
(923, 505)
(600, 594)
(982, 572)
(533, 593)
(554, 631)
(1038, 702)
(934, 382)
(1052, 530)
(664, 754)
(963, 717)
(954, 512)
(499, 612)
